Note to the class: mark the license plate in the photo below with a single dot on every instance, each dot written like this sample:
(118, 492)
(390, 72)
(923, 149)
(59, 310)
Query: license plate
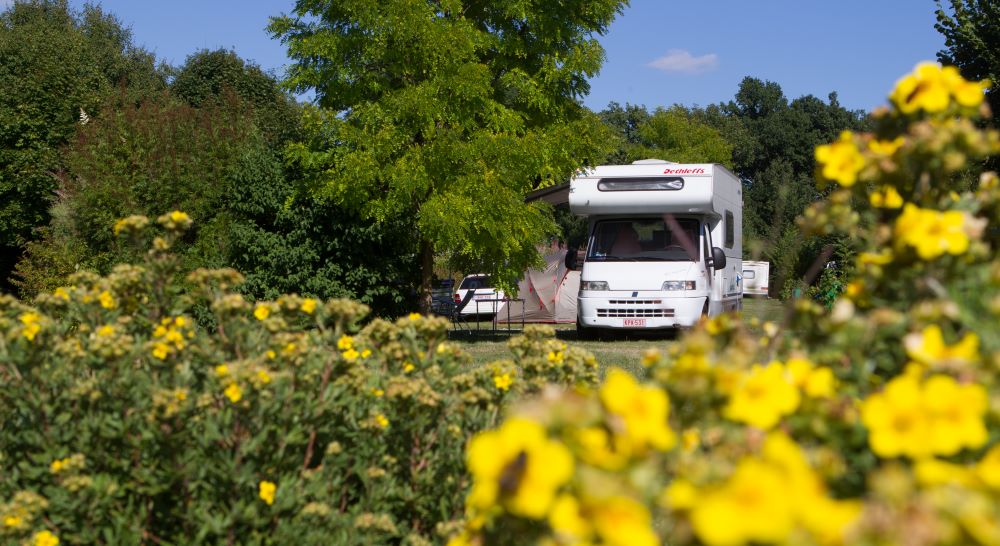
(483, 296)
(634, 322)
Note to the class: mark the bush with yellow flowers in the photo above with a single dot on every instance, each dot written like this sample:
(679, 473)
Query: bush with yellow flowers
(141, 408)
(873, 421)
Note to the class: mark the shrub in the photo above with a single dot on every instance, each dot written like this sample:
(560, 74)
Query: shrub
(873, 422)
(290, 421)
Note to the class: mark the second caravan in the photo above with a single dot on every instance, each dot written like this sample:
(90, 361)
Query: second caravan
(664, 246)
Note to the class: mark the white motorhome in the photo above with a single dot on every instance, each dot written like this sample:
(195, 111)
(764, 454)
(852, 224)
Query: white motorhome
(665, 245)
(755, 276)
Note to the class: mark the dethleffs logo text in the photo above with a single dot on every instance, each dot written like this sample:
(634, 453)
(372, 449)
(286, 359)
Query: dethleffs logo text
(698, 170)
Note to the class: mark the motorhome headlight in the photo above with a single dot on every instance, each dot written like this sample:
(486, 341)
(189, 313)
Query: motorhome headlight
(594, 285)
(679, 285)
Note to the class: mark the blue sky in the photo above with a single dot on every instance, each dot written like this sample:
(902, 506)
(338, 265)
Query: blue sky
(659, 52)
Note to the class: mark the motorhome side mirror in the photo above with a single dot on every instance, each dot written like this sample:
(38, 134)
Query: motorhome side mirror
(718, 258)
(571, 261)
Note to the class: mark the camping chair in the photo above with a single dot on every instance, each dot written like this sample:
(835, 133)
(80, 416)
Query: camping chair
(457, 317)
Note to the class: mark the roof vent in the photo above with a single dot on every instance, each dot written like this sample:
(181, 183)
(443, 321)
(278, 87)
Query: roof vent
(653, 162)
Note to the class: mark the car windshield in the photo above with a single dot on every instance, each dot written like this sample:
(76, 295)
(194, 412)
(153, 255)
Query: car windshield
(474, 283)
(668, 239)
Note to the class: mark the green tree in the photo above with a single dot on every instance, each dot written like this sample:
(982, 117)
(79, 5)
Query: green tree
(208, 76)
(625, 121)
(675, 134)
(443, 114)
(972, 42)
(56, 67)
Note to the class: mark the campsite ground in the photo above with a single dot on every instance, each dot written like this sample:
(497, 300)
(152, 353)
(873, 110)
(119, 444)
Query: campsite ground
(622, 351)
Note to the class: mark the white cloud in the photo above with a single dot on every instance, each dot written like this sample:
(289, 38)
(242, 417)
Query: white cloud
(680, 60)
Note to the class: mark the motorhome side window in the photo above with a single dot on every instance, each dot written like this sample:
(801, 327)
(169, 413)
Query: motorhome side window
(673, 183)
(730, 230)
(645, 239)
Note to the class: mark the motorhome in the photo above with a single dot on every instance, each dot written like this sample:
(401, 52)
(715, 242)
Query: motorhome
(755, 276)
(664, 246)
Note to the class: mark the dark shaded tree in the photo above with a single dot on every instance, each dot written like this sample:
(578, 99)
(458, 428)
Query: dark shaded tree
(57, 68)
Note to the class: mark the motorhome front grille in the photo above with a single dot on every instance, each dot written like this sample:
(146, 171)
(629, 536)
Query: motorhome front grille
(634, 302)
(635, 313)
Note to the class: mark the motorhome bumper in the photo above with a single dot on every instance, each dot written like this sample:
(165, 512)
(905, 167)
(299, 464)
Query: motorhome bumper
(641, 312)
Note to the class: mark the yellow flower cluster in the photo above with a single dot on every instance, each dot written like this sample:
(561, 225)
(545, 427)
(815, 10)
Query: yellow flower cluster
(32, 326)
(840, 161)
(171, 336)
(638, 413)
(931, 233)
(765, 500)
(931, 88)
(762, 396)
(929, 349)
(919, 418)
(518, 467)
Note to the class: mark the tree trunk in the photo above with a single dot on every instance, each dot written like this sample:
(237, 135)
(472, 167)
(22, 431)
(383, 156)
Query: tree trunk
(426, 275)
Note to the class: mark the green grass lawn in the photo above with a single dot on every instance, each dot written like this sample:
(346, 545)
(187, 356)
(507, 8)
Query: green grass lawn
(621, 351)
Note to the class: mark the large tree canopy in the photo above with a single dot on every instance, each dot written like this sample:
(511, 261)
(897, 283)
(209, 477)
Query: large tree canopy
(972, 42)
(446, 113)
(55, 63)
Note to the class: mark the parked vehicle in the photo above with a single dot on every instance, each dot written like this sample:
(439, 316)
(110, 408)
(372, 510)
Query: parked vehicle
(486, 300)
(755, 278)
(664, 247)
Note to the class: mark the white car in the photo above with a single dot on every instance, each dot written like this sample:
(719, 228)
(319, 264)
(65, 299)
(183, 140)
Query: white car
(486, 300)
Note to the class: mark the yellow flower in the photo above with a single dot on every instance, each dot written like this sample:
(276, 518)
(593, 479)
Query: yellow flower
(44, 538)
(107, 300)
(555, 357)
(642, 410)
(234, 393)
(763, 397)
(966, 93)
(180, 395)
(925, 89)
(382, 421)
(345, 342)
(378, 393)
(956, 415)
(988, 468)
(622, 521)
(928, 347)
(518, 467)
(931, 472)
(350, 355)
(161, 350)
(105, 331)
(938, 417)
(262, 312)
(503, 381)
(58, 465)
(222, 370)
(840, 161)
(179, 217)
(365, 353)
(690, 439)
(886, 198)
(896, 420)
(885, 147)
(754, 505)
(61, 293)
(414, 316)
(930, 232)
(31, 326)
(308, 306)
(680, 495)
(13, 521)
(263, 377)
(567, 522)
(408, 367)
(266, 491)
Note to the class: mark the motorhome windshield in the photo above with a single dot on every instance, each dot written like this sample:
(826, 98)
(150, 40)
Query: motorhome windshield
(666, 238)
